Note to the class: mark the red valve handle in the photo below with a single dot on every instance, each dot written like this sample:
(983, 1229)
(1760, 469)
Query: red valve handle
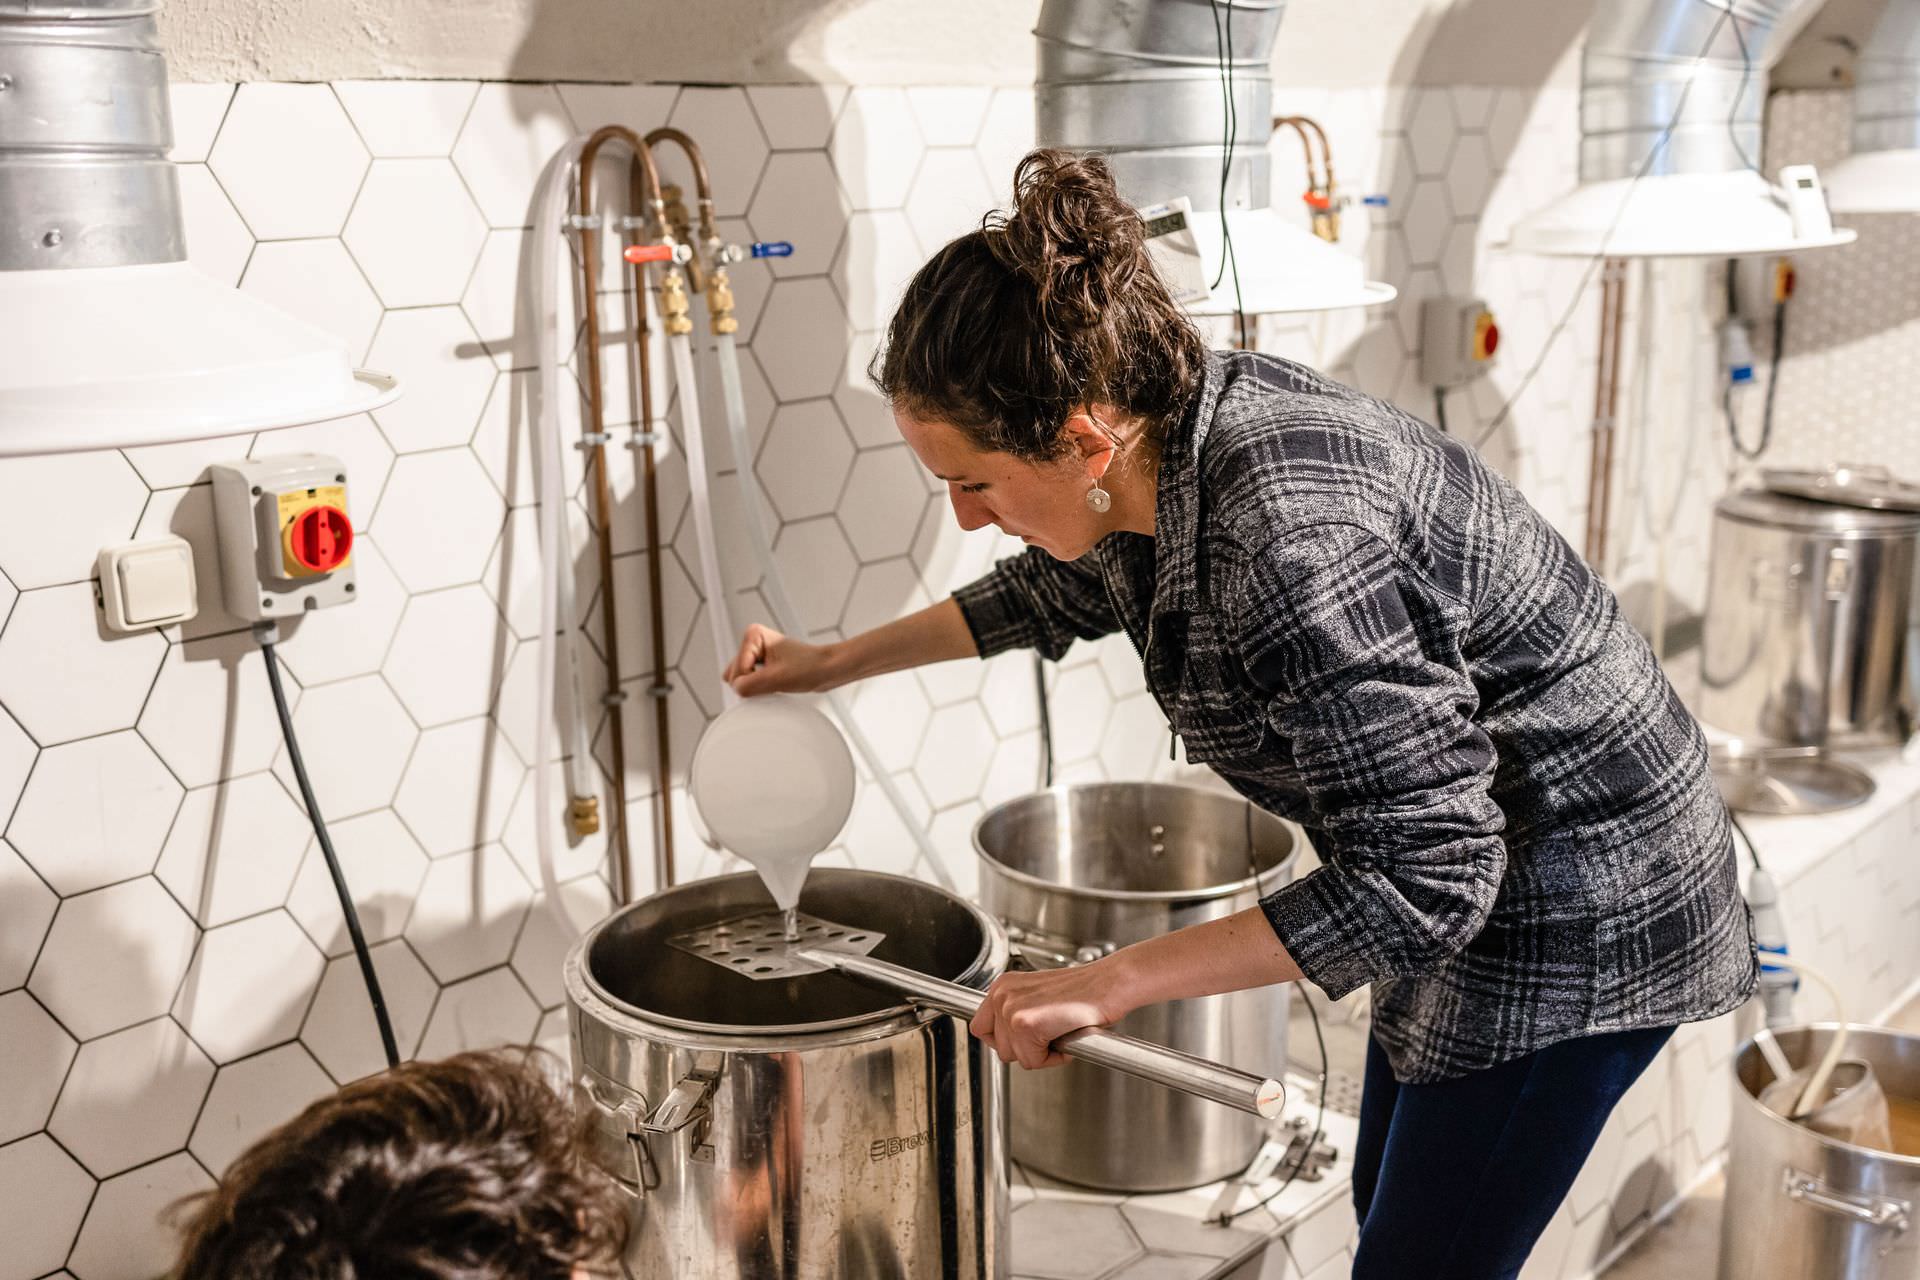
(648, 253)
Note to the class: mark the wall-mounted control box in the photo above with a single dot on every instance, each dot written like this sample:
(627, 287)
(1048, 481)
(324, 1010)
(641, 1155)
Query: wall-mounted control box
(1458, 337)
(286, 544)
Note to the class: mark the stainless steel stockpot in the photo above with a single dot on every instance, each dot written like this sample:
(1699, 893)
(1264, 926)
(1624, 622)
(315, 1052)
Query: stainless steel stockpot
(1808, 623)
(1800, 1204)
(1076, 872)
(806, 1127)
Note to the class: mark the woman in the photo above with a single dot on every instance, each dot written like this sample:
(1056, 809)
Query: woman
(1361, 627)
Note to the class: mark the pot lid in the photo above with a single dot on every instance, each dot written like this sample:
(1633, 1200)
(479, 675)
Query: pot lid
(1872, 487)
(1784, 511)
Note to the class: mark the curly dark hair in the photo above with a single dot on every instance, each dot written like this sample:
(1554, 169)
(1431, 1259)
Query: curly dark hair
(1009, 329)
(464, 1169)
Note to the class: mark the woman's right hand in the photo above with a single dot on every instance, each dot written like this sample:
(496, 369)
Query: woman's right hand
(770, 662)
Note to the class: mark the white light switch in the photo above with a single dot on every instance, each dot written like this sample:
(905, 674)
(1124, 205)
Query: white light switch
(148, 584)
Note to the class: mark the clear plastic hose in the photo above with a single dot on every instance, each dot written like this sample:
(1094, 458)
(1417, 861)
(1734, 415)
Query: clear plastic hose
(700, 494)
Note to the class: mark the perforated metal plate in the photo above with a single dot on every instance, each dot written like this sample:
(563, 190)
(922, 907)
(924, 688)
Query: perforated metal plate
(757, 946)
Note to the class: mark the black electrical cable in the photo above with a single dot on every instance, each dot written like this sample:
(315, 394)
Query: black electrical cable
(1046, 719)
(1440, 410)
(365, 957)
(1740, 447)
(1606, 240)
(1753, 850)
(1223, 54)
(1319, 1128)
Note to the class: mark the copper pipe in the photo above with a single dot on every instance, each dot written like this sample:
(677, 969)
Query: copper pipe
(1606, 408)
(596, 434)
(1325, 216)
(703, 189)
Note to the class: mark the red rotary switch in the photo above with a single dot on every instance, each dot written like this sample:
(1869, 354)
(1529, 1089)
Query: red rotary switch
(320, 538)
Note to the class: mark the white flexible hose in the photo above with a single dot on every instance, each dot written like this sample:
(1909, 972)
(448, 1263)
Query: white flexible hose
(775, 588)
(700, 494)
(556, 560)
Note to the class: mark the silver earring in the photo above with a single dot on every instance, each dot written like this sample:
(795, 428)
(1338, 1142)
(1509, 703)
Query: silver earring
(1099, 499)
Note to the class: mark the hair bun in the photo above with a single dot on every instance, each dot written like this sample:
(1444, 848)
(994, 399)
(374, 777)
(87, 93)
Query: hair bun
(1070, 234)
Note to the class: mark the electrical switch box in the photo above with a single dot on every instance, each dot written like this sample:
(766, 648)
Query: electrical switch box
(286, 544)
(1458, 338)
(148, 583)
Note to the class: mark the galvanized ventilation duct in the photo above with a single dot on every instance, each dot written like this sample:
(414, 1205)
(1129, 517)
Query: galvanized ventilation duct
(1640, 56)
(84, 131)
(1886, 93)
(1140, 82)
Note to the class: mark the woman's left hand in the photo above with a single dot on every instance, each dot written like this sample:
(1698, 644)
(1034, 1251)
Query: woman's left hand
(1025, 1013)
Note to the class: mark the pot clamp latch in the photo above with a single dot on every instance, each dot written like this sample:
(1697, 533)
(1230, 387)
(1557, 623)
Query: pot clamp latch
(683, 1117)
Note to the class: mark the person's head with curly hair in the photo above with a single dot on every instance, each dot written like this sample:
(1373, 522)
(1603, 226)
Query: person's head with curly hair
(466, 1169)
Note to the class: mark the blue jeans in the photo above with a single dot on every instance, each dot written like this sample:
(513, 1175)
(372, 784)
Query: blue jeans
(1456, 1180)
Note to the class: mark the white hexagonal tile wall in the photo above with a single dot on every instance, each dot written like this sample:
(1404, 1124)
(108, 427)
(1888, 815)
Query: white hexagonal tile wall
(865, 412)
(218, 242)
(249, 986)
(876, 147)
(501, 311)
(341, 1031)
(197, 110)
(38, 1054)
(634, 618)
(26, 909)
(1430, 128)
(805, 461)
(1080, 707)
(639, 106)
(407, 117)
(170, 466)
(468, 912)
(800, 202)
(509, 134)
(875, 838)
(131, 1097)
(17, 755)
(948, 199)
(94, 811)
(802, 339)
(251, 1097)
(818, 567)
(1427, 220)
(480, 1013)
(211, 713)
(318, 282)
(128, 1229)
(796, 117)
(355, 738)
(334, 644)
(439, 519)
(724, 126)
(57, 511)
(383, 866)
(448, 654)
(884, 498)
(1137, 736)
(881, 593)
(233, 849)
(1007, 693)
(63, 676)
(459, 787)
(290, 159)
(1069, 1239)
(954, 759)
(504, 438)
(875, 262)
(437, 354)
(43, 1197)
(892, 711)
(543, 944)
(1005, 135)
(949, 115)
(415, 232)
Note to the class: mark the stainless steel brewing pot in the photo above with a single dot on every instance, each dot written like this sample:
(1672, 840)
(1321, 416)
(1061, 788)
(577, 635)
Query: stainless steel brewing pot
(1076, 872)
(806, 1127)
(1802, 1205)
(1808, 622)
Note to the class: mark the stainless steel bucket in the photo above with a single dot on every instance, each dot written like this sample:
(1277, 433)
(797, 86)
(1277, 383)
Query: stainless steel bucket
(1806, 639)
(806, 1127)
(1077, 872)
(1803, 1206)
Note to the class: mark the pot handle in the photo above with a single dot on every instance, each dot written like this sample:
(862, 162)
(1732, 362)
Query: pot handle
(1057, 951)
(1868, 1210)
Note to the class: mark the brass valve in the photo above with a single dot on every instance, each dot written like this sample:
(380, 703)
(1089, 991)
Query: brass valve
(673, 304)
(720, 302)
(583, 815)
